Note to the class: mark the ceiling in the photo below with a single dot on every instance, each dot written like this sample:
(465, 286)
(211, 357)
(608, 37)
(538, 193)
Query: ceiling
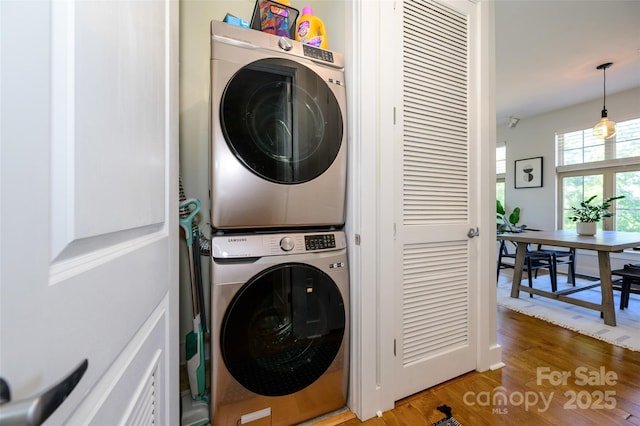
(547, 52)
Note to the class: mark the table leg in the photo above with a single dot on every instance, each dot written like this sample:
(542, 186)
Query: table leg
(517, 269)
(607, 288)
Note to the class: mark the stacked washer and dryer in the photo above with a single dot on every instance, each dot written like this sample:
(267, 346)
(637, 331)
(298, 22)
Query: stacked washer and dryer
(280, 280)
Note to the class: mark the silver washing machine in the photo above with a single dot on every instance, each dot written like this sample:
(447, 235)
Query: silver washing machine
(278, 132)
(279, 327)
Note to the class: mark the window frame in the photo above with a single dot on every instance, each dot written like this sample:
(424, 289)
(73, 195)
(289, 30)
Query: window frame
(608, 183)
(608, 168)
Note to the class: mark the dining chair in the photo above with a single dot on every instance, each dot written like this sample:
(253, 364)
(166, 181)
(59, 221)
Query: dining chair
(534, 260)
(561, 257)
(630, 275)
(503, 253)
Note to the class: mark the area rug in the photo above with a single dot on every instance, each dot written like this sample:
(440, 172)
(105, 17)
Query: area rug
(585, 321)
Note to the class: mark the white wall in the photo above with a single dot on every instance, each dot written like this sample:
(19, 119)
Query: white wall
(535, 137)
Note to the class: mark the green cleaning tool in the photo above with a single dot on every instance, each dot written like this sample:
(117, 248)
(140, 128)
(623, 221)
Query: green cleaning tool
(194, 339)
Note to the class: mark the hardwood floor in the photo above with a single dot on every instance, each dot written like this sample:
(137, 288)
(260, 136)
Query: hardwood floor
(603, 387)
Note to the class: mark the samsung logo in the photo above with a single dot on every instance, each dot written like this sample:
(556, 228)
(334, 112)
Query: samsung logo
(237, 240)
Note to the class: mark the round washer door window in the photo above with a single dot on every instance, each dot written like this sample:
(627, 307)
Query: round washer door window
(281, 120)
(283, 329)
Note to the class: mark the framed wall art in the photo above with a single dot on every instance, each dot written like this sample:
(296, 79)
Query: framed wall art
(528, 173)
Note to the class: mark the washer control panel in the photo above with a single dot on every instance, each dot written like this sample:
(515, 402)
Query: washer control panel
(258, 245)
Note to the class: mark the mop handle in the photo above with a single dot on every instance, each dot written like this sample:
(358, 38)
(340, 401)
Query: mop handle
(185, 223)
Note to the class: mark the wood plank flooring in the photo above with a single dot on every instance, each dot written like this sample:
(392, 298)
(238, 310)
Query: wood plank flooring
(603, 387)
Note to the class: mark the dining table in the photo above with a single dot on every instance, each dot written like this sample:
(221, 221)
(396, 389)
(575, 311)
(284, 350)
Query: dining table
(603, 242)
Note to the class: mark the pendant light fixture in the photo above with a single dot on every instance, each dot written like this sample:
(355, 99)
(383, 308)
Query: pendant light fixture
(605, 128)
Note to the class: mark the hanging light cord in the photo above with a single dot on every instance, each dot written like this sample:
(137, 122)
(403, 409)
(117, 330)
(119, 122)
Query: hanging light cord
(605, 128)
(604, 67)
(604, 88)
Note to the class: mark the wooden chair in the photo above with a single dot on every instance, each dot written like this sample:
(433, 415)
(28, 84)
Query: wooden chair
(630, 275)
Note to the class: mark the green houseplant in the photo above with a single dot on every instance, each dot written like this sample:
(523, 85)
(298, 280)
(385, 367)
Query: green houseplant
(588, 214)
(508, 223)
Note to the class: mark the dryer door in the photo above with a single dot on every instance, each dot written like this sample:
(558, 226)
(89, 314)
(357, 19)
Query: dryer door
(281, 120)
(283, 329)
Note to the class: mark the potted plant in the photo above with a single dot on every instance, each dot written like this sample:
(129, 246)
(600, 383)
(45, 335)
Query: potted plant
(508, 224)
(588, 215)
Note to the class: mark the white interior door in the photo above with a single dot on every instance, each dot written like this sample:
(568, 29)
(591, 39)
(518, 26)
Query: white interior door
(435, 203)
(89, 206)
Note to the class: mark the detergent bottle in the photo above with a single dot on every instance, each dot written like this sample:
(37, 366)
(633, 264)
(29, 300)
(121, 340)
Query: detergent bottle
(311, 29)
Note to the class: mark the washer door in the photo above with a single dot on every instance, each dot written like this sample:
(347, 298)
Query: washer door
(283, 329)
(281, 120)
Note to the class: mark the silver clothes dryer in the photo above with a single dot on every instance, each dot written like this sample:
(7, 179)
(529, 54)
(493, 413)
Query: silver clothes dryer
(278, 132)
(279, 327)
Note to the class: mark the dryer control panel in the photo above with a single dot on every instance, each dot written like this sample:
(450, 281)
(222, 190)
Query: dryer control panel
(319, 242)
(259, 245)
(315, 53)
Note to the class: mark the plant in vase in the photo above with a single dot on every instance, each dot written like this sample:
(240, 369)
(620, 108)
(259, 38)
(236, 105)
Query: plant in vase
(588, 215)
(508, 224)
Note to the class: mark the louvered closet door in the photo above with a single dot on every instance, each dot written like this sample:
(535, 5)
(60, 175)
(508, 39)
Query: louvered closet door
(435, 211)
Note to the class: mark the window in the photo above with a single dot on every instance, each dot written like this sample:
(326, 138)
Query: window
(501, 168)
(627, 216)
(588, 166)
(500, 192)
(501, 160)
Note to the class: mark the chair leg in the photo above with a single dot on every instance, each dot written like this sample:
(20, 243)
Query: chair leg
(529, 275)
(553, 274)
(499, 260)
(624, 293)
(572, 267)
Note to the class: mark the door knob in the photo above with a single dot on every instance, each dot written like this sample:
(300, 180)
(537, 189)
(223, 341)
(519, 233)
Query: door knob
(473, 232)
(34, 411)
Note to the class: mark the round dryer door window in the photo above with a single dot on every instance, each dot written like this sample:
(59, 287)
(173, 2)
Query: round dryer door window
(281, 120)
(283, 329)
